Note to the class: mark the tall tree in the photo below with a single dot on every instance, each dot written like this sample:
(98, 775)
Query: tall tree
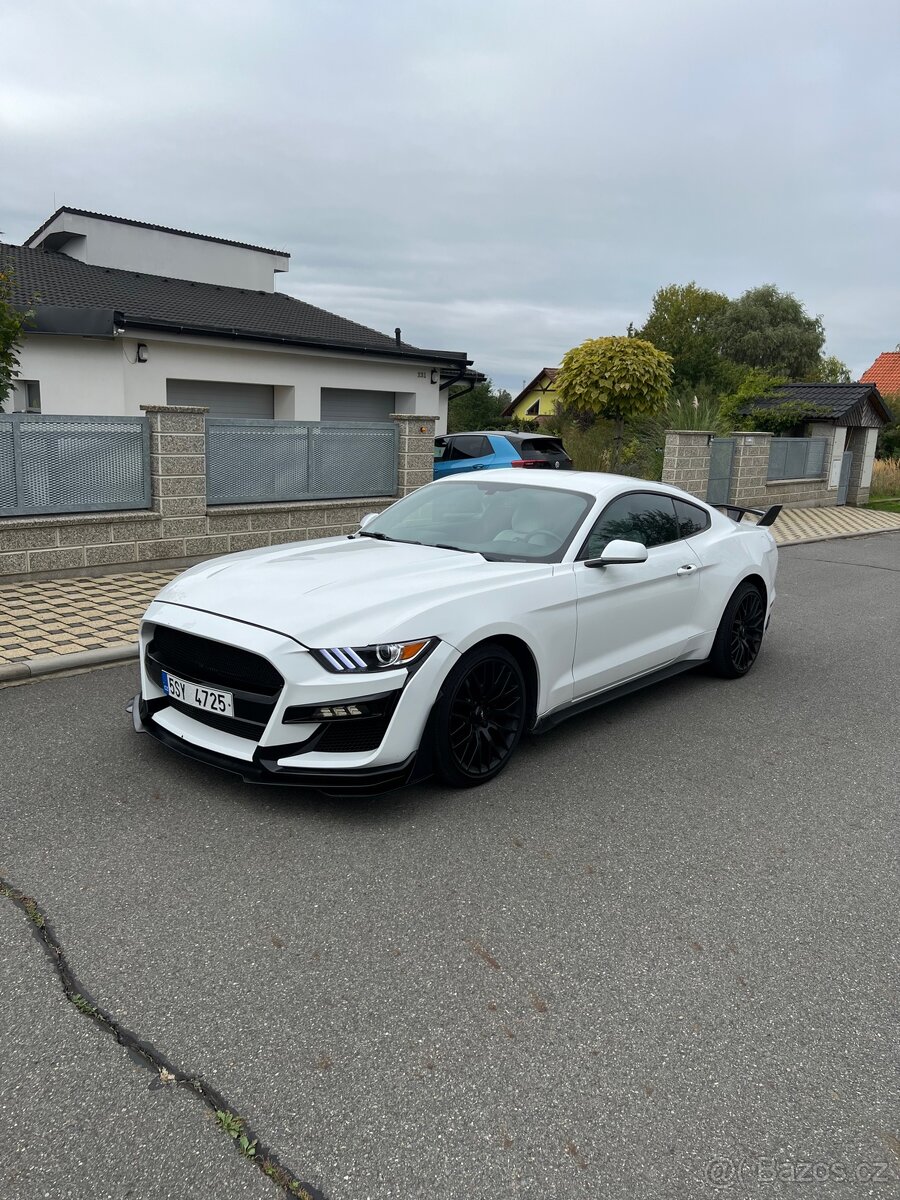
(830, 369)
(771, 330)
(620, 378)
(478, 408)
(686, 321)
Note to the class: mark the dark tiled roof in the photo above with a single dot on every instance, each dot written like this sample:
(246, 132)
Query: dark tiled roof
(203, 237)
(156, 302)
(884, 373)
(838, 399)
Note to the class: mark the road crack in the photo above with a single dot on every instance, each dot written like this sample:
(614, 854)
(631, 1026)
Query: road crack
(244, 1139)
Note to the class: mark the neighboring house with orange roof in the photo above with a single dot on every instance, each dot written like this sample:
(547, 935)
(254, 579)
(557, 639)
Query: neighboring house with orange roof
(537, 399)
(884, 373)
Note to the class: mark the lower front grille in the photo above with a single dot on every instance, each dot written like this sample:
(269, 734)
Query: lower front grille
(352, 737)
(252, 680)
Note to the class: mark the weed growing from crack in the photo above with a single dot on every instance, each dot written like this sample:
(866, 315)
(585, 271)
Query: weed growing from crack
(34, 913)
(230, 1122)
(83, 1006)
(284, 1180)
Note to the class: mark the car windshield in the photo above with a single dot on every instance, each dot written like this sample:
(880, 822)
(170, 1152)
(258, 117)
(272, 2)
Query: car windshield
(498, 520)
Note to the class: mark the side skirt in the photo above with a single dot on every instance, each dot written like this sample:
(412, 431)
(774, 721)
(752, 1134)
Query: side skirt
(613, 693)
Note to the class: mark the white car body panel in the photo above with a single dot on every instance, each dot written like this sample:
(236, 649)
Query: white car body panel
(657, 617)
(586, 629)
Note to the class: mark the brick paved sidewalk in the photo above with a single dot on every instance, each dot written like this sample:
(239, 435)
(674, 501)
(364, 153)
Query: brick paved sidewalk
(65, 616)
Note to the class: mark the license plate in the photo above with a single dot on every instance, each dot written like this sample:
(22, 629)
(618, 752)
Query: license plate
(198, 696)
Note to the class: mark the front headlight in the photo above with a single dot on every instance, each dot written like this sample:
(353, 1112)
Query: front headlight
(383, 657)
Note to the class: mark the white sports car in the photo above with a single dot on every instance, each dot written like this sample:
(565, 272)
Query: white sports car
(467, 613)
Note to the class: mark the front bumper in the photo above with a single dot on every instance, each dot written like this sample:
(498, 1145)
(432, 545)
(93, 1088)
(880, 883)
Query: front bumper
(283, 751)
(265, 768)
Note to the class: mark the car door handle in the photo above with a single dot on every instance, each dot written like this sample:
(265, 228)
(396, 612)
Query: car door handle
(687, 569)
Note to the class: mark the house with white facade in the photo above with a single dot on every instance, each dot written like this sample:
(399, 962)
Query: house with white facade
(129, 314)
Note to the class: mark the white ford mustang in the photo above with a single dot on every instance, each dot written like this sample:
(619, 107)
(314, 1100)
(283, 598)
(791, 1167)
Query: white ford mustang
(468, 612)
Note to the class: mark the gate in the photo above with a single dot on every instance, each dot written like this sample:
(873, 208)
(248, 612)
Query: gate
(844, 479)
(721, 457)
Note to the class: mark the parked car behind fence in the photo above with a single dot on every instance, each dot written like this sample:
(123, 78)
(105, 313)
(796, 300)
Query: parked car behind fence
(457, 453)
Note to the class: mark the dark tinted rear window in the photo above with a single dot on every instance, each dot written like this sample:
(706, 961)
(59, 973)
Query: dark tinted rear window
(540, 447)
(469, 446)
(691, 519)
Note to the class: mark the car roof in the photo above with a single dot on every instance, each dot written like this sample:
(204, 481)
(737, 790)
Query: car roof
(595, 483)
(507, 433)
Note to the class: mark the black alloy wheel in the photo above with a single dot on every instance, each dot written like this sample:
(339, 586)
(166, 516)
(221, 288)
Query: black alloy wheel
(479, 717)
(740, 633)
(747, 631)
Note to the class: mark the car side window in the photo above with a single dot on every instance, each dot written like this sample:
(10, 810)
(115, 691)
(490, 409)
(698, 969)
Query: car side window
(469, 446)
(441, 449)
(638, 517)
(691, 519)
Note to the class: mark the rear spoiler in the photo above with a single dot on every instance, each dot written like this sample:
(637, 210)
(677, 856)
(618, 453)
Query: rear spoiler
(766, 516)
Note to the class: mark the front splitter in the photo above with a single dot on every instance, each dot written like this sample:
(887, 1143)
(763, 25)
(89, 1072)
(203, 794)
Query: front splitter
(263, 769)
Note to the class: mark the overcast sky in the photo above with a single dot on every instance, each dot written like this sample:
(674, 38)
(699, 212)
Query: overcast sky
(506, 177)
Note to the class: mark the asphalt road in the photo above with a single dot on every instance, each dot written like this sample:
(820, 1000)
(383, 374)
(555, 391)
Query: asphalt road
(665, 937)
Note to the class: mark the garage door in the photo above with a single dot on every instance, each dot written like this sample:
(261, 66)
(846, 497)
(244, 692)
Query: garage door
(352, 404)
(223, 399)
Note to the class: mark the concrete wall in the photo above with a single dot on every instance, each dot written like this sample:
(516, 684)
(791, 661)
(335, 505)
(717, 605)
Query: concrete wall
(180, 528)
(93, 375)
(158, 252)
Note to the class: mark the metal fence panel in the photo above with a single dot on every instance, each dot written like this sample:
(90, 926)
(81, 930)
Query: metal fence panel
(797, 458)
(250, 460)
(255, 461)
(8, 490)
(353, 459)
(57, 464)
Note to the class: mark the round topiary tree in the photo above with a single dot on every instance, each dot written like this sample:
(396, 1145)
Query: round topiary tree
(619, 378)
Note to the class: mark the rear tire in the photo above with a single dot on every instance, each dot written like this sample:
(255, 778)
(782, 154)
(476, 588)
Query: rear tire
(479, 717)
(740, 633)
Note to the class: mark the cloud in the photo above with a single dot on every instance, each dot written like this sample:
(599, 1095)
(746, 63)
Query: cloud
(505, 178)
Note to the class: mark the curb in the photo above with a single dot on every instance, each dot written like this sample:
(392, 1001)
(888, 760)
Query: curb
(833, 537)
(52, 664)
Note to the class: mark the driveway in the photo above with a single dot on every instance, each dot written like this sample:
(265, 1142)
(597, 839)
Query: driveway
(656, 958)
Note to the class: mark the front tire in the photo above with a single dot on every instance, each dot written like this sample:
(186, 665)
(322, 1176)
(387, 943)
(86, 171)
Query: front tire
(479, 717)
(740, 633)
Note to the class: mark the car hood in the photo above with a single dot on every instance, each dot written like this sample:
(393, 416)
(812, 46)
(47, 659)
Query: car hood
(340, 591)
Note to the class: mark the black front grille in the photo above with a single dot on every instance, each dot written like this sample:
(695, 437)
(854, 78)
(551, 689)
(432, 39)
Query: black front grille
(252, 680)
(214, 662)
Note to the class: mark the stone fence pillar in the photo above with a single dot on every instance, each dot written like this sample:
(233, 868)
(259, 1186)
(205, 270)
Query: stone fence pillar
(862, 443)
(415, 465)
(750, 468)
(178, 472)
(686, 460)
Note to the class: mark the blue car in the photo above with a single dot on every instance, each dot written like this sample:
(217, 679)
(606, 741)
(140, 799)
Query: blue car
(456, 453)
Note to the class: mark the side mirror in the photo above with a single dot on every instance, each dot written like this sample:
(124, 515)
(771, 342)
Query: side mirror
(367, 519)
(619, 551)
